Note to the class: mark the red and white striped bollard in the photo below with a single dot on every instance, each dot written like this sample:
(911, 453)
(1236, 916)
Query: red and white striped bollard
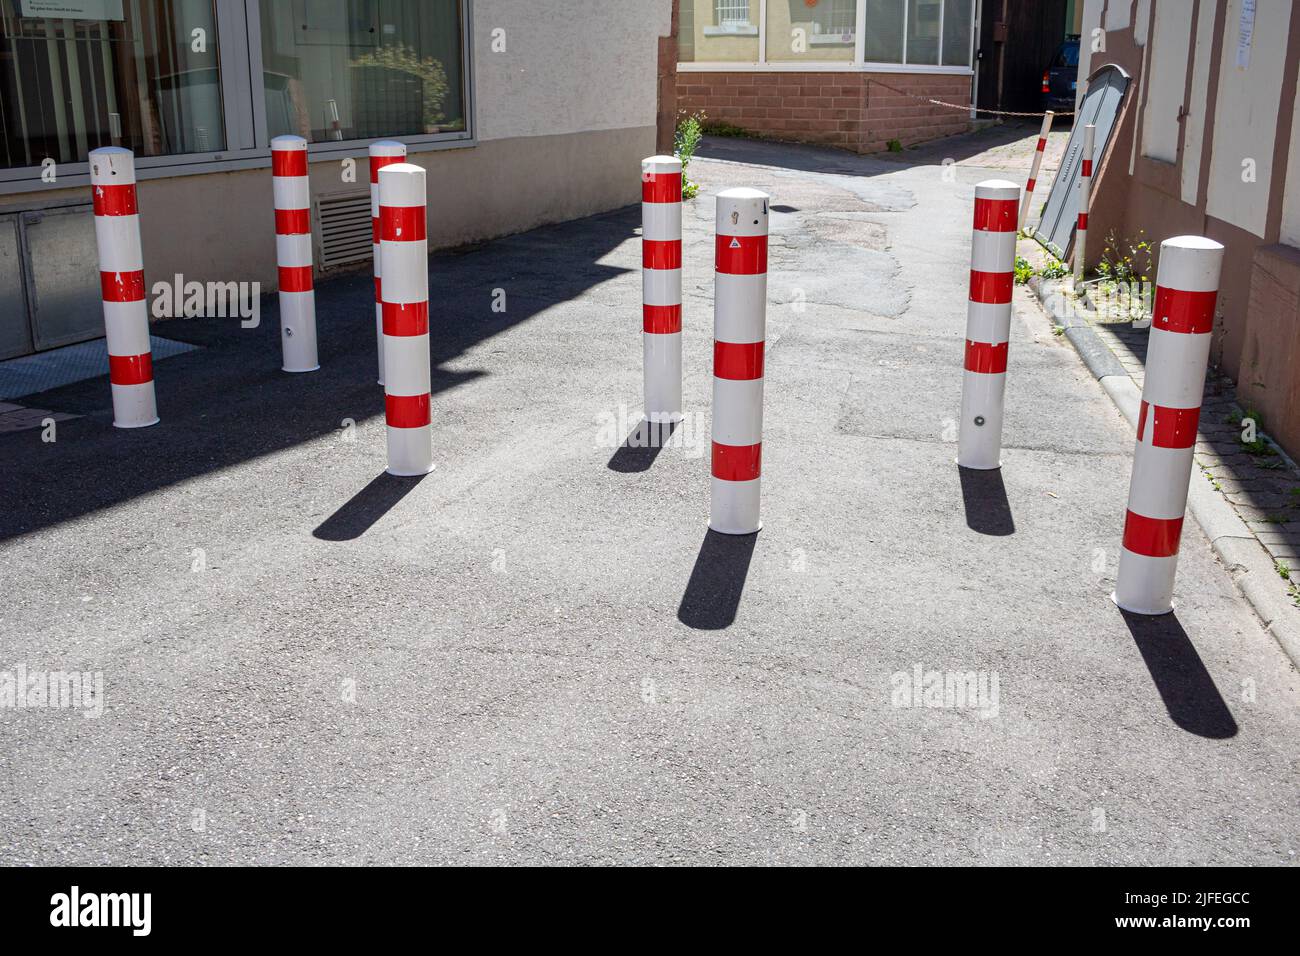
(661, 286)
(1085, 201)
(988, 324)
(739, 337)
(1034, 168)
(1178, 351)
(386, 152)
(121, 280)
(404, 258)
(293, 253)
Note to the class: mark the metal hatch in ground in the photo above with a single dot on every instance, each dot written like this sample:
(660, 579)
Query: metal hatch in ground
(1100, 107)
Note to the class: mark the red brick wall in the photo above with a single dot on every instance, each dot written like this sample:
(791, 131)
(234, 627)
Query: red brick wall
(850, 110)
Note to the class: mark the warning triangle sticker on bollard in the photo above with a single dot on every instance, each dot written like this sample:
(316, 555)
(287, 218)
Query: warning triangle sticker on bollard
(735, 243)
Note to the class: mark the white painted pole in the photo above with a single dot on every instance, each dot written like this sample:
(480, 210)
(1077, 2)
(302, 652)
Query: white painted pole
(383, 153)
(988, 325)
(121, 280)
(404, 260)
(661, 285)
(1085, 200)
(1178, 351)
(739, 337)
(293, 253)
(1034, 169)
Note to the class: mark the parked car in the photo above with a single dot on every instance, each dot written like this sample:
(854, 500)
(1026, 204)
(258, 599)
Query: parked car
(1060, 79)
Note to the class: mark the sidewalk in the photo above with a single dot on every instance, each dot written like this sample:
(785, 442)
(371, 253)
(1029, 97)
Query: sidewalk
(537, 654)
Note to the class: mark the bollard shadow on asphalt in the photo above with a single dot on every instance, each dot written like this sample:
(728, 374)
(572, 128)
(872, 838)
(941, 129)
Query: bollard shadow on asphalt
(642, 446)
(717, 581)
(985, 498)
(1186, 687)
(366, 507)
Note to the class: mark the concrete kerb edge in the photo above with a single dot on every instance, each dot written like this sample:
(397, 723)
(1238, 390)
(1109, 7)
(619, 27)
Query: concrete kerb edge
(1241, 553)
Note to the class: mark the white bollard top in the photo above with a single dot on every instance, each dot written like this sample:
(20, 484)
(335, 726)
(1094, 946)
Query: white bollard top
(997, 189)
(402, 184)
(1190, 264)
(742, 212)
(661, 164)
(288, 143)
(111, 166)
(387, 147)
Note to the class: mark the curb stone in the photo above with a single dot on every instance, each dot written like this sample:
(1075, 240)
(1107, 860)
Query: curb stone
(1242, 555)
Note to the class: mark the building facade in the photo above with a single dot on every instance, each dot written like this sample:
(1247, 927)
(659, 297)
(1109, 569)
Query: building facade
(1208, 143)
(524, 112)
(850, 73)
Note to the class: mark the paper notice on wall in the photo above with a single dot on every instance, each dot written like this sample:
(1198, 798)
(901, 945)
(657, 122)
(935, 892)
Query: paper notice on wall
(72, 9)
(1245, 33)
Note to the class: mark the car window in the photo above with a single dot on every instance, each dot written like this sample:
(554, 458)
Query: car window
(1067, 55)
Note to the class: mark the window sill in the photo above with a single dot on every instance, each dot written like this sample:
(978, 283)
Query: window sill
(820, 66)
(731, 31)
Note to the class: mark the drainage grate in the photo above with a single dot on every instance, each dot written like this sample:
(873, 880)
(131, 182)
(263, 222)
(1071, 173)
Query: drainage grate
(345, 233)
(72, 363)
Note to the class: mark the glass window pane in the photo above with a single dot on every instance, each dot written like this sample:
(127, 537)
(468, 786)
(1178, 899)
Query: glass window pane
(718, 31)
(923, 31)
(138, 73)
(884, 31)
(957, 32)
(360, 69)
(824, 32)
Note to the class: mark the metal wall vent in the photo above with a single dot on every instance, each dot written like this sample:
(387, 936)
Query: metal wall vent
(344, 232)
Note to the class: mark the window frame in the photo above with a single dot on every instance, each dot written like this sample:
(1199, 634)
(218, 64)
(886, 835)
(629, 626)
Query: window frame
(243, 110)
(857, 65)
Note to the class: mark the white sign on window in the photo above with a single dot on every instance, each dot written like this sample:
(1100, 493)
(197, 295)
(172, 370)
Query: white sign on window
(72, 9)
(1245, 33)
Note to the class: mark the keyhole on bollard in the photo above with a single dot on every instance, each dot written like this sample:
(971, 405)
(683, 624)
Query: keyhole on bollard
(289, 333)
(979, 419)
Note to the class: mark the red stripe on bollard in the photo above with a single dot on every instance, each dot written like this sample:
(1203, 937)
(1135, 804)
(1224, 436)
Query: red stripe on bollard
(379, 162)
(379, 290)
(114, 200)
(1042, 144)
(1029, 187)
(739, 361)
(1171, 427)
(407, 411)
(741, 255)
(406, 318)
(661, 319)
(661, 187)
(737, 462)
(996, 215)
(130, 369)
(1083, 220)
(1087, 167)
(295, 279)
(122, 286)
(661, 255)
(292, 222)
(1153, 537)
(402, 224)
(288, 162)
(986, 358)
(991, 288)
(1178, 311)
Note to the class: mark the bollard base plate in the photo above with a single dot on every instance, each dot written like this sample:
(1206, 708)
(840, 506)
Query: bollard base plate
(1137, 610)
(978, 467)
(733, 531)
(295, 371)
(410, 474)
(137, 424)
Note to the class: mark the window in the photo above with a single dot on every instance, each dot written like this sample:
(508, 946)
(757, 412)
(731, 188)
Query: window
(931, 36)
(359, 69)
(142, 74)
(732, 15)
(825, 30)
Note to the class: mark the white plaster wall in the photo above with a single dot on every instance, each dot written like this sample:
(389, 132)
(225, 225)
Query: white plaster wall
(568, 67)
(1198, 103)
(1172, 39)
(1245, 117)
(1291, 198)
(1119, 14)
(1091, 21)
